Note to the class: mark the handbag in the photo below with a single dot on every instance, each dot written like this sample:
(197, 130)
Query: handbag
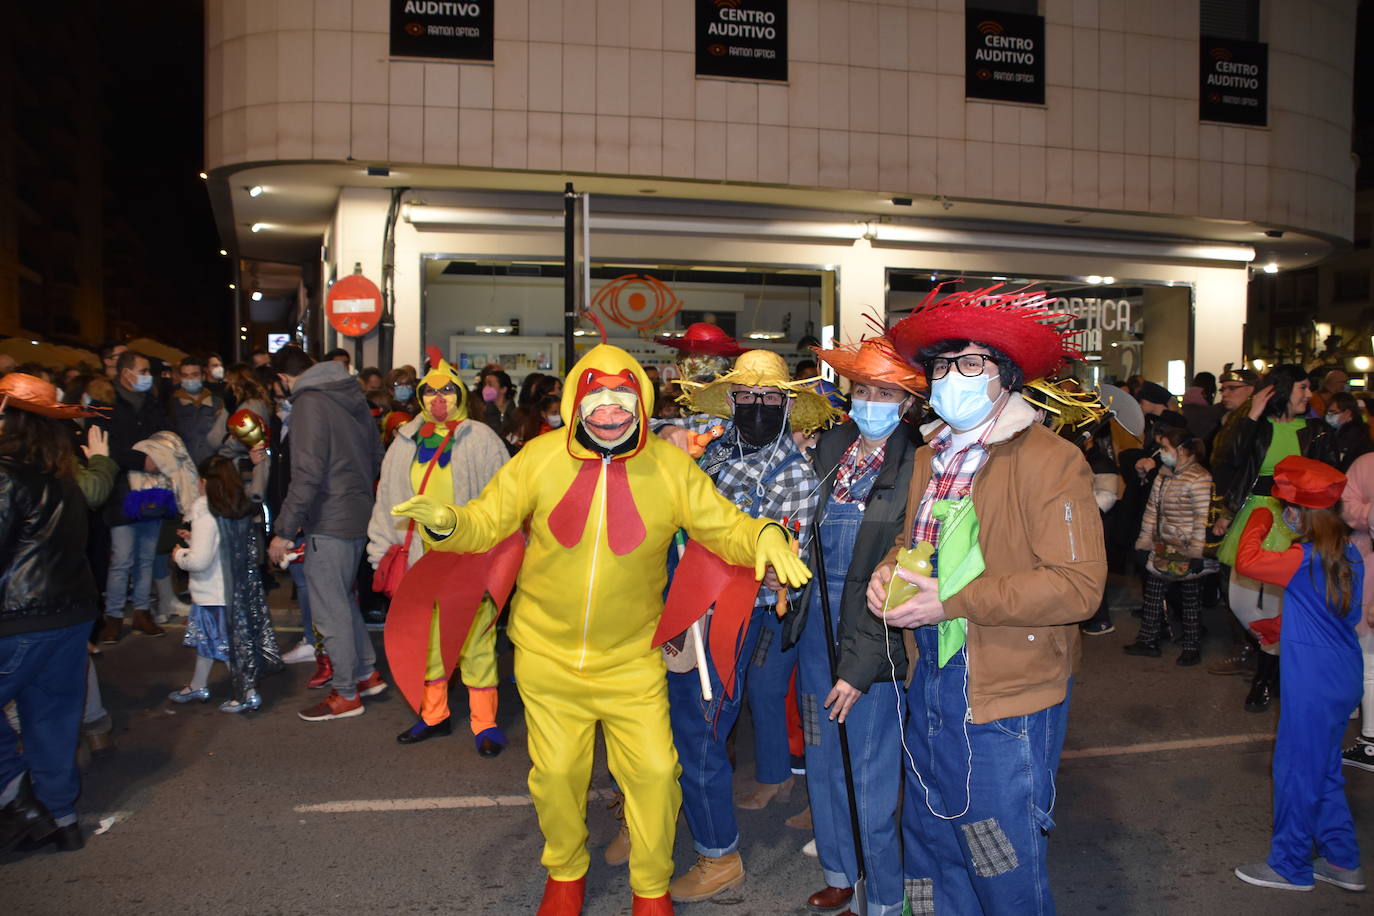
(396, 560)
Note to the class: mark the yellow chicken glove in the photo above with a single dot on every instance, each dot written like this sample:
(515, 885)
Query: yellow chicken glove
(428, 511)
(774, 548)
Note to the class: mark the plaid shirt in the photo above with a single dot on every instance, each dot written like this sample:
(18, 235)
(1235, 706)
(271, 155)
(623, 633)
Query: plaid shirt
(790, 493)
(951, 478)
(852, 469)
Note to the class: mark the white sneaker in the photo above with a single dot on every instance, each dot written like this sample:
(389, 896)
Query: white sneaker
(810, 848)
(302, 653)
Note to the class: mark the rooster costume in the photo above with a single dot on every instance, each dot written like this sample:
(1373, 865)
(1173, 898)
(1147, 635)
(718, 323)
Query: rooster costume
(602, 499)
(443, 455)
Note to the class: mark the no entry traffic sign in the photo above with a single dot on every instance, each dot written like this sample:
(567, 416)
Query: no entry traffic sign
(353, 306)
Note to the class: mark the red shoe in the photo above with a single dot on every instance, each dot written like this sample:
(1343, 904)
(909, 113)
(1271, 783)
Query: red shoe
(324, 672)
(563, 898)
(333, 707)
(652, 906)
(372, 686)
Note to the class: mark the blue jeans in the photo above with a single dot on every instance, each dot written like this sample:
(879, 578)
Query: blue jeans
(297, 573)
(132, 550)
(995, 789)
(700, 730)
(875, 750)
(45, 674)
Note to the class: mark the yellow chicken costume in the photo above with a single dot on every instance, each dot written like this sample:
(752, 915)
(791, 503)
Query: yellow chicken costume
(603, 498)
(449, 458)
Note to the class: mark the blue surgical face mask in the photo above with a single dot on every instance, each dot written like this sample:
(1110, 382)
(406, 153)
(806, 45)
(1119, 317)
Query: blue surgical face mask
(876, 419)
(960, 401)
(192, 385)
(404, 392)
(1333, 420)
(143, 383)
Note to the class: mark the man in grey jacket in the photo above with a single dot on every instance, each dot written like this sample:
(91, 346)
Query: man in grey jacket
(336, 453)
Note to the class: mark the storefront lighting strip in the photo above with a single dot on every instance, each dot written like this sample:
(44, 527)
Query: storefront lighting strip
(457, 219)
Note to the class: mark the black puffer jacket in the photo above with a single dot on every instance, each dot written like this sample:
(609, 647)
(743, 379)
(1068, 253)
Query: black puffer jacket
(45, 579)
(864, 646)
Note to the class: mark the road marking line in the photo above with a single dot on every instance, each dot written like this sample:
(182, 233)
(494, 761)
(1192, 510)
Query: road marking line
(1154, 747)
(430, 804)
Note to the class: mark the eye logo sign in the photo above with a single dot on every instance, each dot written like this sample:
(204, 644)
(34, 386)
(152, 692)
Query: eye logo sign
(989, 27)
(1222, 54)
(637, 301)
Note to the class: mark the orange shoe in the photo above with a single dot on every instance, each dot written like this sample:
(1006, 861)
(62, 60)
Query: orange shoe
(372, 685)
(563, 898)
(652, 906)
(333, 707)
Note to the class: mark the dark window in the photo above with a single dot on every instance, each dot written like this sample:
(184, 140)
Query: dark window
(1364, 223)
(1234, 19)
(1352, 285)
(1024, 7)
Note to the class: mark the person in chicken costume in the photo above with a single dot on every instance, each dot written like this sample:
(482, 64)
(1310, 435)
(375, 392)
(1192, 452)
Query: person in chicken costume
(603, 499)
(441, 455)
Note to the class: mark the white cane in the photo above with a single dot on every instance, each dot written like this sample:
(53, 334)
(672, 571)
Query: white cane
(698, 639)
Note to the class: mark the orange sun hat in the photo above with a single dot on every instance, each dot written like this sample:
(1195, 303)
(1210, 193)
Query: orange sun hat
(874, 361)
(28, 392)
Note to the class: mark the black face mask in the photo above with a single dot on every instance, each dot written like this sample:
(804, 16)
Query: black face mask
(759, 424)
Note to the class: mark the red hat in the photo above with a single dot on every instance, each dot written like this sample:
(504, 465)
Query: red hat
(703, 338)
(28, 392)
(1018, 323)
(1307, 482)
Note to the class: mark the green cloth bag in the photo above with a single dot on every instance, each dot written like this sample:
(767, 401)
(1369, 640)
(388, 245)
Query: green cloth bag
(1279, 538)
(959, 560)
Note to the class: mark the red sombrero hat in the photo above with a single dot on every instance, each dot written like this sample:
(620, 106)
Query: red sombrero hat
(31, 393)
(1307, 482)
(874, 361)
(1018, 323)
(703, 338)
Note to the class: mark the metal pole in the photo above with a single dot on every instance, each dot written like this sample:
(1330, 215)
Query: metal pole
(569, 274)
(238, 309)
(859, 903)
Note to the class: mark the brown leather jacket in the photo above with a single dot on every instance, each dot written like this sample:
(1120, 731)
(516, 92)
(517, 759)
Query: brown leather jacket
(1046, 565)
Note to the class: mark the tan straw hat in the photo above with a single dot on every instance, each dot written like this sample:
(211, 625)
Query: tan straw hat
(761, 369)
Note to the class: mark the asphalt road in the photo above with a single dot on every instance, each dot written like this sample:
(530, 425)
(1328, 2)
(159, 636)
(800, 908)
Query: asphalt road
(265, 814)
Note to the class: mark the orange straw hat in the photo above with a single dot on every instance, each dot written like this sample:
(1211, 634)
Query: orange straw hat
(874, 361)
(28, 392)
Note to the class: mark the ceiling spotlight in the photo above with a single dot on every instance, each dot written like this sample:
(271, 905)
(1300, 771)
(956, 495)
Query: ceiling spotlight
(224, 253)
(257, 295)
(243, 337)
(243, 328)
(34, 342)
(1363, 363)
(1109, 280)
(255, 191)
(258, 227)
(1271, 268)
(1094, 279)
(232, 286)
(204, 177)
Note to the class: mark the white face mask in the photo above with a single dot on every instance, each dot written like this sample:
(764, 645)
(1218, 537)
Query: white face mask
(217, 372)
(960, 401)
(1168, 459)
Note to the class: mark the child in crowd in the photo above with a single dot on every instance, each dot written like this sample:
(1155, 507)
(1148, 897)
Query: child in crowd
(1172, 537)
(1322, 578)
(229, 620)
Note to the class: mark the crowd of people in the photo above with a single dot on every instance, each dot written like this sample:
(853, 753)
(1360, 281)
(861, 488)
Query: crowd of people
(860, 569)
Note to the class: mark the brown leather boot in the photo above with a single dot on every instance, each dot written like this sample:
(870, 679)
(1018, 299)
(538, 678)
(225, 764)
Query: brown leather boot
(618, 852)
(111, 630)
(708, 878)
(143, 622)
(758, 797)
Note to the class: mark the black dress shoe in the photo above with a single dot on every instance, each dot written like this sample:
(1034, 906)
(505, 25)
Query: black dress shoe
(1144, 649)
(489, 748)
(1189, 657)
(422, 732)
(66, 839)
(24, 818)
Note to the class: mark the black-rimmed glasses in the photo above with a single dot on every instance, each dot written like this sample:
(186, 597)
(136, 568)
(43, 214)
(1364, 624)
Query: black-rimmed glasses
(749, 398)
(969, 365)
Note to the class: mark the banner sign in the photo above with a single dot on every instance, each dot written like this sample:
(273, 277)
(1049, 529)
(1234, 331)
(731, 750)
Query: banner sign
(1235, 81)
(742, 39)
(448, 29)
(1004, 56)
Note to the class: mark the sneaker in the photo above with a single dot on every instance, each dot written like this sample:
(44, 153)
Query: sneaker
(1097, 628)
(324, 672)
(304, 652)
(1359, 755)
(372, 685)
(1350, 879)
(809, 849)
(333, 707)
(1261, 875)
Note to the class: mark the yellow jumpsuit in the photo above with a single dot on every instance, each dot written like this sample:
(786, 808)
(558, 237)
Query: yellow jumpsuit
(582, 621)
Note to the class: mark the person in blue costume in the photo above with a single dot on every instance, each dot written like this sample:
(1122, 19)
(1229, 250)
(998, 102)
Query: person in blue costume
(1322, 578)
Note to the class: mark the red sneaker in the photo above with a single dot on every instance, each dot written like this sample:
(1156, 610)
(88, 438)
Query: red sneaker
(652, 906)
(563, 898)
(324, 672)
(333, 707)
(372, 686)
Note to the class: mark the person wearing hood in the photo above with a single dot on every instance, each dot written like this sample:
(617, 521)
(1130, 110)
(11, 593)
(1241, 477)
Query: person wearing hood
(757, 465)
(603, 499)
(442, 454)
(136, 416)
(994, 646)
(335, 456)
(865, 469)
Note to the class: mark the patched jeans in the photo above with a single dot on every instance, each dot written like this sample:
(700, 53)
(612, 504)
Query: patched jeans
(995, 789)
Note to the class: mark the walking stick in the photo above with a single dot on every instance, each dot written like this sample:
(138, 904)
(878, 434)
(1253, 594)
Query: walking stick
(859, 903)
